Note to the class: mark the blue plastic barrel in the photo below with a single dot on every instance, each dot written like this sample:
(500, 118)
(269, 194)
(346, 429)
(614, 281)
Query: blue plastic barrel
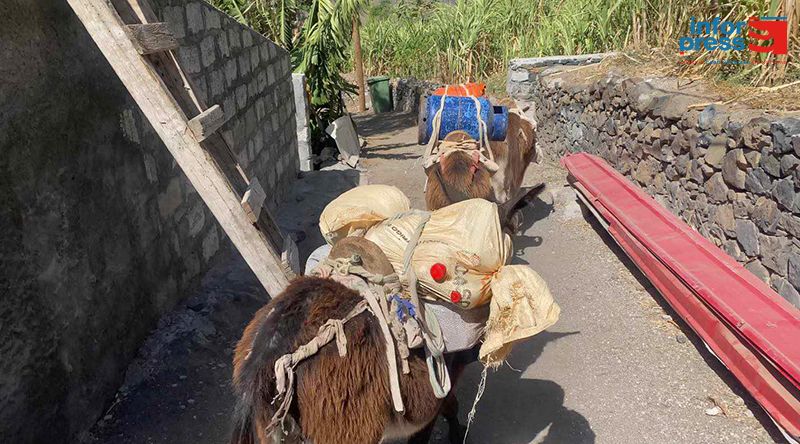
(460, 114)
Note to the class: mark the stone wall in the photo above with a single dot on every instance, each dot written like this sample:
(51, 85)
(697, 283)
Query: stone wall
(406, 93)
(250, 78)
(729, 172)
(101, 232)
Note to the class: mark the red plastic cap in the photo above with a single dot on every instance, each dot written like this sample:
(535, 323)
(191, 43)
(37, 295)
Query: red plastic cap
(438, 272)
(455, 297)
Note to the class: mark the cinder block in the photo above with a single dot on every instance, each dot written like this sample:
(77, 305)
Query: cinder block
(216, 83)
(229, 106)
(212, 18)
(234, 41)
(247, 38)
(194, 17)
(264, 47)
(241, 97)
(262, 81)
(190, 59)
(174, 16)
(255, 58)
(207, 51)
(244, 64)
(222, 44)
(231, 71)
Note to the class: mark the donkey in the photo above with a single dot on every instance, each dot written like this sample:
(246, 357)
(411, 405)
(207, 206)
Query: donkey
(459, 176)
(338, 400)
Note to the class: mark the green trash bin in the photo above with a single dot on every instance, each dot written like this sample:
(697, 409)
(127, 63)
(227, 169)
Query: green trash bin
(381, 94)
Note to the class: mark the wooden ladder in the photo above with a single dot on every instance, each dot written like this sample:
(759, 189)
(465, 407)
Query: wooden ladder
(139, 49)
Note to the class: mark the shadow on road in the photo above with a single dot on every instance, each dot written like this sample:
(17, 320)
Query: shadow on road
(534, 211)
(369, 125)
(519, 410)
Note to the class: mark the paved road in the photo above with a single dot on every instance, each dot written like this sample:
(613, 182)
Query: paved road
(616, 368)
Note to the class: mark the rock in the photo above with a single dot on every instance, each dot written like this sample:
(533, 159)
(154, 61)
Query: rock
(681, 338)
(793, 269)
(716, 151)
(705, 117)
(696, 172)
(774, 253)
(784, 193)
(753, 157)
(722, 216)
(731, 171)
(716, 189)
(786, 290)
(758, 270)
(790, 223)
(713, 411)
(732, 249)
(788, 164)
(782, 132)
(673, 106)
(770, 163)
(757, 181)
(747, 236)
(753, 132)
(645, 171)
(741, 205)
(765, 214)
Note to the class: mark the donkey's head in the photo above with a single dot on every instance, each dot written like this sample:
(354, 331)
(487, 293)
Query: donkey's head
(459, 175)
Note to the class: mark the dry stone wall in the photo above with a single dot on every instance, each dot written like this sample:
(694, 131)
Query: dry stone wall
(730, 173)
(101, 233)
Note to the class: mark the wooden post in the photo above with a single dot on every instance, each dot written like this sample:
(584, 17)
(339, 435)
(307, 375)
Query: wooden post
(358, 61)
(170, 123)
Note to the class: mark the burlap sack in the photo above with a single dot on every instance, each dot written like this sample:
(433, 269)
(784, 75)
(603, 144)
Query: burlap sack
(521, 307)
(393, 235)
(466, 237)
(359, 209)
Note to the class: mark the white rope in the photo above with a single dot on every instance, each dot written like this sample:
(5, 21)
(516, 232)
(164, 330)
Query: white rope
(471, 416)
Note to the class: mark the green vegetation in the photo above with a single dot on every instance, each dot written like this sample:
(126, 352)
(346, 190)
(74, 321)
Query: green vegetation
(317, 35)
(475, 39)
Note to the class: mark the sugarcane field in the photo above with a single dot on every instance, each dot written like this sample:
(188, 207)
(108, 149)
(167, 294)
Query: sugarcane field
(399, 221)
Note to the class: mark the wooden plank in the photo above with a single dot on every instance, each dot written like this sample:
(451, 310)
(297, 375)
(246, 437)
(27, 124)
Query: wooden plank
(168, 120)
(253, 200)
(150, 38)
(207, 122)
(290, 258)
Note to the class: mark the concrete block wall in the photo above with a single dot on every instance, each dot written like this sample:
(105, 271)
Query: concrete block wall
(101, 232)
(729, 172)
(250, 78)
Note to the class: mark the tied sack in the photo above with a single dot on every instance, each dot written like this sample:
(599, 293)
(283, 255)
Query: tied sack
(356, 210)
(465, 237)
(522, 306)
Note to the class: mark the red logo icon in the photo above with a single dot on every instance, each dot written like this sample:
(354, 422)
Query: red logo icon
(765, 28)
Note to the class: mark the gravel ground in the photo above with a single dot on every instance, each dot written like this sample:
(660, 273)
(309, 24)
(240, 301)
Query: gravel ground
(618, 367)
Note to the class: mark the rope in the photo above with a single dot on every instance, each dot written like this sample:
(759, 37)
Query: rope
(446, 148)
(431, 331)
(285, 365)
(471, 415)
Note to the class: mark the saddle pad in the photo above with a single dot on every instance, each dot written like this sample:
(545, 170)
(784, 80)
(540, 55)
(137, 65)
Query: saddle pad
(462, 329)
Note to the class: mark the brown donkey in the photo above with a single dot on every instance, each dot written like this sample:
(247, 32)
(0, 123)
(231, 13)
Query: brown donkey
(459, 176)
(338, 400)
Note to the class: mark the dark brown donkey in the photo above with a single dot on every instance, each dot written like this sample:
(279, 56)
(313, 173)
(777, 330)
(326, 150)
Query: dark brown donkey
(459, 177)
(338, 400)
